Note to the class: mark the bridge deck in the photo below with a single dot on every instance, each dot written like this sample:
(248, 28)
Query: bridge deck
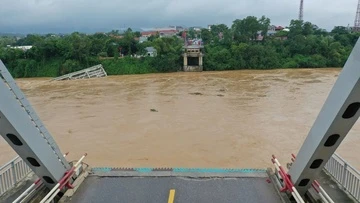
(189, 186)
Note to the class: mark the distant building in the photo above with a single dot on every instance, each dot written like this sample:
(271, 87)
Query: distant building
(148, 33)
(117, 36)
(259, 37)
(275, 28)
(151, 51)
(279, 28)
(143, 39)
(271, 32)
(196, 28)
(221, 35)
(282, 38)
(167, 33)
(163, 32)
(177, 28)
(194, 41)
(24, 48)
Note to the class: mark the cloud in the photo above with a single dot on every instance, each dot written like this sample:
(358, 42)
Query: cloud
(95, 15)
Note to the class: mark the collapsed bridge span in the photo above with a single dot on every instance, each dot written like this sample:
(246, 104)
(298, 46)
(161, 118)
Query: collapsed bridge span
(92, 72)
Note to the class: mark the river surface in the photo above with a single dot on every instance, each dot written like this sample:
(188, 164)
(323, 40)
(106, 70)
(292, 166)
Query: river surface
(234, 119)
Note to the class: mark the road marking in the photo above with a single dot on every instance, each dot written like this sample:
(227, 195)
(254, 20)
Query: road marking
(171, 196)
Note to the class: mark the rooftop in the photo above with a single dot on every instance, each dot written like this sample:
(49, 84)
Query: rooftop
(194, 46)
(150, 49)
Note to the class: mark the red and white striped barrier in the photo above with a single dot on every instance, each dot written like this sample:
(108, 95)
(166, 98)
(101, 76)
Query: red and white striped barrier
(63, 182)
(288, 185)
(317, 187)
(32, 187)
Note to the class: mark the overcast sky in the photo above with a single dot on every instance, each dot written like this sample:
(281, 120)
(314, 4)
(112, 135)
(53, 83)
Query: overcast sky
(43, 16)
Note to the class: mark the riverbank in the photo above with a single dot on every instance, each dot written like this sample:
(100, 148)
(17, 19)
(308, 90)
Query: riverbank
(123, 66)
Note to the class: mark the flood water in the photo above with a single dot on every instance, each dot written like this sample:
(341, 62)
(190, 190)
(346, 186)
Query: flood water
(231, 119)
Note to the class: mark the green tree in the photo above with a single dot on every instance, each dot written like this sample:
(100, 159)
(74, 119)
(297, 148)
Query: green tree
(340, 30)
(247, 29)
(305, 45)
(295, 28)
(308, 28)
(206, 35)
(264, 25)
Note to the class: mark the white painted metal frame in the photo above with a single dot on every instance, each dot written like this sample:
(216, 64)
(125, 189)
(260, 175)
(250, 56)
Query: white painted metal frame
(336, 118)
(26, 134)
(92, 72)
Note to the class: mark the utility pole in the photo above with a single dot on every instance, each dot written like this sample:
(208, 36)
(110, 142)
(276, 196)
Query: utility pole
(301, 10)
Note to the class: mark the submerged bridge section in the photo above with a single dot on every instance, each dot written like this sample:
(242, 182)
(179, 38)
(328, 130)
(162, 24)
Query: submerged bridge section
(92, 72)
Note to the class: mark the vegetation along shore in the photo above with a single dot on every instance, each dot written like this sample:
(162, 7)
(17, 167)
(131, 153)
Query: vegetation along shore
(247, 44)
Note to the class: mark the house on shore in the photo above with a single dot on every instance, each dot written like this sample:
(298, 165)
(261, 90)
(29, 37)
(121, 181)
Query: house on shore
(150, 51)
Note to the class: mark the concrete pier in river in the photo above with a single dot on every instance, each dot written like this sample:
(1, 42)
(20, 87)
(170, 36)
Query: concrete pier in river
(193, 58)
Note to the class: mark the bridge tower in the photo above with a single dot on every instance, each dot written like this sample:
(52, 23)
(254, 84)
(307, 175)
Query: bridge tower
(357, 19)
(301, 10)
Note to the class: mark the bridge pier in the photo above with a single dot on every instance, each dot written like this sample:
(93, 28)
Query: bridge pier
(193, 58)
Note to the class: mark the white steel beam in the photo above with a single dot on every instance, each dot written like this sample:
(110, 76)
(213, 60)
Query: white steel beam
(26, 134)
(337, 116)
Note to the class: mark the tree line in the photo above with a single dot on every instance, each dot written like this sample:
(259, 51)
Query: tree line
(303, 45)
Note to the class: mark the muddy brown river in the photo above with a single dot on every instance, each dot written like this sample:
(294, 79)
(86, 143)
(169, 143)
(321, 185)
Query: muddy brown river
(231, 119)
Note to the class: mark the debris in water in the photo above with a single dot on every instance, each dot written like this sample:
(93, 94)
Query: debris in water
(153, 110)
(196, 93)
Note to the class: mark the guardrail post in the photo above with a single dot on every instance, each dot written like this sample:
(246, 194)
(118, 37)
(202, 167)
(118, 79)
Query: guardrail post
(13, 171)
(343, 176)
(1, 187)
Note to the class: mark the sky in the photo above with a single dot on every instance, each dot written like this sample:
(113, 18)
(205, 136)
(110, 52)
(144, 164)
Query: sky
(64, 16)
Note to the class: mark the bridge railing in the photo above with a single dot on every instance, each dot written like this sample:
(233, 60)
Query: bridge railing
(345, 174)
(12, 173)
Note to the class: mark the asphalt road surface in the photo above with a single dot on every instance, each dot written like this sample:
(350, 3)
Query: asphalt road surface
(175, 189)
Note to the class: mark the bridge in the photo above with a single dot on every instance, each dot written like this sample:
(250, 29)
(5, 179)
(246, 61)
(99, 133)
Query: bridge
(41, 172)
(92, 72)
